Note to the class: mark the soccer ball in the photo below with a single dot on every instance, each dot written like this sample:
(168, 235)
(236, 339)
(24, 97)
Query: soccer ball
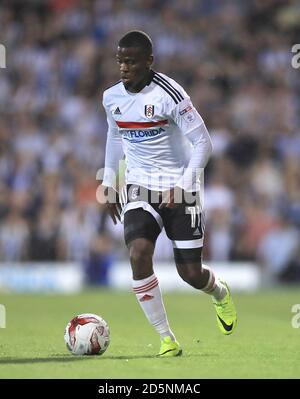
(87, 334)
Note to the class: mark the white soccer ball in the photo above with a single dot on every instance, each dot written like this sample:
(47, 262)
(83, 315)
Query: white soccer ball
(87, 334)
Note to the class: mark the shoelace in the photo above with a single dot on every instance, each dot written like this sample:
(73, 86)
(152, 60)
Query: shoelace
(225, 310)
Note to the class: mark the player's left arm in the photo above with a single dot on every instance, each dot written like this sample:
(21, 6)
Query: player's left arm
(193, 127)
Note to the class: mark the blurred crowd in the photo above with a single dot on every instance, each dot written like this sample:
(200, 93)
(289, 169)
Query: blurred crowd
(234, 60)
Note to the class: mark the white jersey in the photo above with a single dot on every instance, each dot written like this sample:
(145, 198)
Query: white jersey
(150, 127)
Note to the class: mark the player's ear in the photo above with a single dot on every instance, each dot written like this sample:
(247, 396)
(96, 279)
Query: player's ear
(150, 60)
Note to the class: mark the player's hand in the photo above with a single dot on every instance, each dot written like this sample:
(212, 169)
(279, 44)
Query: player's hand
(112, 204)
(171, 198)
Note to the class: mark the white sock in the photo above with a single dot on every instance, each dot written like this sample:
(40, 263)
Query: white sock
(148, 294)
(214, 286)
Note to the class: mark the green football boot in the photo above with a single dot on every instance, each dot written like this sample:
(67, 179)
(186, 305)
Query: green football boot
(226, 313)
(169, 348)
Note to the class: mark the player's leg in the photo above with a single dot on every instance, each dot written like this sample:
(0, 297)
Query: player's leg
(184, 226)
(203, 278)
(141, 231)
(192, 271)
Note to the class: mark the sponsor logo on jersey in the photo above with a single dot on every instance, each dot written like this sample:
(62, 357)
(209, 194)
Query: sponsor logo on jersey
(189, 117)
(149, 110)
(185, 110)
(141, 135)
(188, 114)
(117, 111)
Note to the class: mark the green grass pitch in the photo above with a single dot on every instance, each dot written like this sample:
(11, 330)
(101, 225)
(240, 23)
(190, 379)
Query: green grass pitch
(264, 345)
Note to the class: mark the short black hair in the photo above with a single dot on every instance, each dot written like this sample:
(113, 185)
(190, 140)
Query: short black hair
(137, 38)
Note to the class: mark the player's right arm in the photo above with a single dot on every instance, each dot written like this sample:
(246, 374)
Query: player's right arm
(113, 154)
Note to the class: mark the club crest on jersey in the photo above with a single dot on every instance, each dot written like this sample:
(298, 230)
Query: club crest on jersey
(149, 111)
(134, 192)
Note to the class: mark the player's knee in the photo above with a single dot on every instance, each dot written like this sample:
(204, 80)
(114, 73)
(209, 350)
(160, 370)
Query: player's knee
(141, 251)
(192, 273)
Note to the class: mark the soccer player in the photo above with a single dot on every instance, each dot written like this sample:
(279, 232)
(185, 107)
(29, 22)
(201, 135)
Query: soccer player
(151, 119)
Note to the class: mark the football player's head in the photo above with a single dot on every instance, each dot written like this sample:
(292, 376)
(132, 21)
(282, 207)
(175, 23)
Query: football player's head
(134, 56)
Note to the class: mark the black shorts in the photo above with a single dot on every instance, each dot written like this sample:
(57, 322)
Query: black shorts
(184, 224)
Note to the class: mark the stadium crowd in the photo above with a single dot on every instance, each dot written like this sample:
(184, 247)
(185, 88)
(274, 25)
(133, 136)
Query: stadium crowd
(234, 60)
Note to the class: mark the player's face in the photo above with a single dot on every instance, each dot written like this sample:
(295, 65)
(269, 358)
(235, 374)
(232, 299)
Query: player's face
(134, 67)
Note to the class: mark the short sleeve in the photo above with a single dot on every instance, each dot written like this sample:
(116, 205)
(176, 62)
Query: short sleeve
(112, 126)
(185, 116)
